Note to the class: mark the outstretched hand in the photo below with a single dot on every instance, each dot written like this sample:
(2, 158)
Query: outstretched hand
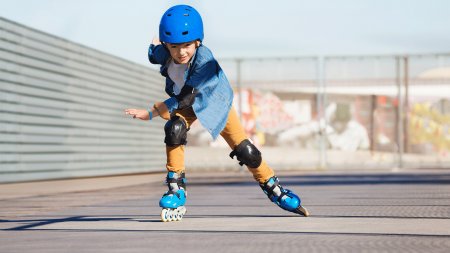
(138, 113)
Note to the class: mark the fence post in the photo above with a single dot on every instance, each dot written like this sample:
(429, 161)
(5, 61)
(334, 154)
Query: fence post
(399, 119)
(239, 88)
(405, 105)
(321, 120)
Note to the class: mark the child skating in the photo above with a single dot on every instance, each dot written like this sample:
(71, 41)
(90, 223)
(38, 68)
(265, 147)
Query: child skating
(198, 88)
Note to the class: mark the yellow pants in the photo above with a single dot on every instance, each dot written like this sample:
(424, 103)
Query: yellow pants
(233, 133)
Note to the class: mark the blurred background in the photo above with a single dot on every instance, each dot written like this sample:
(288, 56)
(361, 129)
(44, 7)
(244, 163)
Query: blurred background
(319, 85)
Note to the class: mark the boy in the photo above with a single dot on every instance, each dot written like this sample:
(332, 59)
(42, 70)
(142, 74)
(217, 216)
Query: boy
(198, 88)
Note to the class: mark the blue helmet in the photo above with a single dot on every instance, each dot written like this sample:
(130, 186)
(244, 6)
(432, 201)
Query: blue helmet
(180, 24)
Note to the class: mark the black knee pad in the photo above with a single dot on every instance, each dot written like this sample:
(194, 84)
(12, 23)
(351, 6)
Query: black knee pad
(247, 154)
(176, 131)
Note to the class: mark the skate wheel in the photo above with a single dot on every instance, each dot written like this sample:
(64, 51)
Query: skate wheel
(178, 216)
(183, 210)
(172, 215)
(181, 213)
(165, 215)
(168, 214)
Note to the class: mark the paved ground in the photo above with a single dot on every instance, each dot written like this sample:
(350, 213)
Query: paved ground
(351, 212)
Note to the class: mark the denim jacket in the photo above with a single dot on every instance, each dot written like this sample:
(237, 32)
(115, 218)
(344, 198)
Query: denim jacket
(213, 93)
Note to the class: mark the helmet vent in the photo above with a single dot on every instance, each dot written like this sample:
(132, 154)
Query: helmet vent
(170, 14)
(168, 33)
(186, 14)
(185, 32)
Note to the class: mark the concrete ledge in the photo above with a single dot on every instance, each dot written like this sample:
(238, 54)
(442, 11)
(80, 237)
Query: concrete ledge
(29, 189)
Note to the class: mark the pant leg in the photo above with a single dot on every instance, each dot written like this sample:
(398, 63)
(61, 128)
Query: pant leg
(234, 134)
(175, 154)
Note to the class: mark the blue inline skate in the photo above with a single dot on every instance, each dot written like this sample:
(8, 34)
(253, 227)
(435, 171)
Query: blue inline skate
(173, 200)
(284, 198)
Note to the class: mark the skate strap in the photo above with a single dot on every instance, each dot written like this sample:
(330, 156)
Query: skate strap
(233, 154)
(281, 196)
(269, 189)
(178, 178)
(172, 180)
(173, 193)
(181, 182)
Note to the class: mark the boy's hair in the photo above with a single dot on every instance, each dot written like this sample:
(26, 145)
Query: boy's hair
(181, 24)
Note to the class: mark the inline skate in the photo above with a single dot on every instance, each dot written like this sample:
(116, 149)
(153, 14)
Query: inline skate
(174, 199)
(284, 198)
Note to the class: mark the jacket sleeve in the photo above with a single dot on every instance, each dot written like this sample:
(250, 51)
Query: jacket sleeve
(158, 54)
(171, 103)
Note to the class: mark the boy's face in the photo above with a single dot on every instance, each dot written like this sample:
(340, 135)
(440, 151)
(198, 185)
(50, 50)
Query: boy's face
(182, 53)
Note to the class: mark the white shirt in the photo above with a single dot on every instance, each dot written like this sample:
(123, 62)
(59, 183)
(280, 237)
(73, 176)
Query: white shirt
(176, 74)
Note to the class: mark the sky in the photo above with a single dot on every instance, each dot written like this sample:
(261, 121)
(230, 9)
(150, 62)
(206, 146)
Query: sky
(248, 28)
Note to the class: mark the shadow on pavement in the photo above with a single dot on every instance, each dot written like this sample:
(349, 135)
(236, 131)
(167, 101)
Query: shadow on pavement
(339, 179)
(43, 222)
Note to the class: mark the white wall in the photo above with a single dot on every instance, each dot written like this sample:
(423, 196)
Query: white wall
(61, 110)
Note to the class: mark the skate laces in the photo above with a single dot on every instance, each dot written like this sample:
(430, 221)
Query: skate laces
(274, 191)
(175, 182)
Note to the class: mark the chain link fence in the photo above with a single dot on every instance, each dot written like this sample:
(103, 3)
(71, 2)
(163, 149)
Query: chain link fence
(345, 112)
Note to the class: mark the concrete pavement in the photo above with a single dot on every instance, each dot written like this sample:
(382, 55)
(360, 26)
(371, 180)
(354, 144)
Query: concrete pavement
(380, 211)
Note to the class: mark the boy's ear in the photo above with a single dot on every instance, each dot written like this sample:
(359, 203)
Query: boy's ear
(197, 43)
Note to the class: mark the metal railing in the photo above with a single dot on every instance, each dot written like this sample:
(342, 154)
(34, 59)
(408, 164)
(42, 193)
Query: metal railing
(397, 105)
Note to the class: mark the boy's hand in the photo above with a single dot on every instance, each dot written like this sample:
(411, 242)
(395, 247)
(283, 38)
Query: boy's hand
(156, 41)
(138, 113)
